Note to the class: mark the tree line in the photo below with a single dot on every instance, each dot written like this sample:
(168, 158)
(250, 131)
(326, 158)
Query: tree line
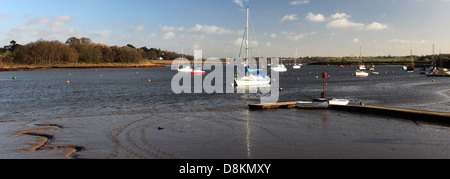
(78, 50)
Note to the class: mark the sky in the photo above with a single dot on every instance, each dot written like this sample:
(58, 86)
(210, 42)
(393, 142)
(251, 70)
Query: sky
(278, 28)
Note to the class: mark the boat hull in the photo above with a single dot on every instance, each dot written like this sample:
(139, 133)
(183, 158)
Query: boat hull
(312, 105)
(362, 74)
(198, 72)
(252, 83)
(340, 102)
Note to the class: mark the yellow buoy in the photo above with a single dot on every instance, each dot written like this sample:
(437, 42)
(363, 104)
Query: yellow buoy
(434, 81)
(281, 89)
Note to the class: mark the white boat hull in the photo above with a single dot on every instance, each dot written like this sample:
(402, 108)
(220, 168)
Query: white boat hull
(251, 82)
(362, 74)
(312, 105)
(341, 102)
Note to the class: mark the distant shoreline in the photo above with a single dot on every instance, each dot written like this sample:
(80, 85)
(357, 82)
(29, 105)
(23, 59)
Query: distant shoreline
(49, 66)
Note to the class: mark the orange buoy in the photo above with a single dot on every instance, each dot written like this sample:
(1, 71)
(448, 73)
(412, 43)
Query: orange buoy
(68, 82)
(149, 80)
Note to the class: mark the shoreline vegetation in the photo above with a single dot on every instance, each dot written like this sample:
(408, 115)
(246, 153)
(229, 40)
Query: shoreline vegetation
(83, 53)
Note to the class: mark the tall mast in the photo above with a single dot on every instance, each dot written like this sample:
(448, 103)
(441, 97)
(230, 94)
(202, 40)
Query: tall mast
(246, 34)
(360, 54)
(412, 61)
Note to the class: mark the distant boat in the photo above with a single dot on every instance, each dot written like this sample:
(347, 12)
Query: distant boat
(411, 67)
(361, 71)
(183, 68)
(252, 76)
(361, 74)
(279, 68)
(198, 71)
(296, 65)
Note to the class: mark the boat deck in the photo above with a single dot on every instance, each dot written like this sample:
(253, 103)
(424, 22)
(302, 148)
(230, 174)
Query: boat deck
(411, 114)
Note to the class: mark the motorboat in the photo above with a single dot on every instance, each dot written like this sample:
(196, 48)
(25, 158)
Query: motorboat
(279, 68)
(312, 104)
(297, 66)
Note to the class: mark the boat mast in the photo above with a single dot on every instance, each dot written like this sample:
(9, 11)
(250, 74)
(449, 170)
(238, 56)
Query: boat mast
(246, 34)
(360, 54)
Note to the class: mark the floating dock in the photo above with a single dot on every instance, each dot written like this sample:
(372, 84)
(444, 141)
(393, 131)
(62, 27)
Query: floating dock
(410, 114)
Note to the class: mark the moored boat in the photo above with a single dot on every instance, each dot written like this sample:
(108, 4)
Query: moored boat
(312, 104)
(198, 72)
(341, 102)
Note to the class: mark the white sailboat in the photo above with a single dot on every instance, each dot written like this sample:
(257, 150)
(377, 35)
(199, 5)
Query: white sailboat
(184, 68)
(252, 77)
(296, 65)
(361, 71)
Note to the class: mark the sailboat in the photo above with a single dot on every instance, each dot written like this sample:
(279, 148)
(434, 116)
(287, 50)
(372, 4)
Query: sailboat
(184, 68)
(252, 77)
(411, 67)
(296, 65)
(361, 71)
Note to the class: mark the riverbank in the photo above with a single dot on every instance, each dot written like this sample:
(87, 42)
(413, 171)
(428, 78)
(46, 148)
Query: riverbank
(106, 65)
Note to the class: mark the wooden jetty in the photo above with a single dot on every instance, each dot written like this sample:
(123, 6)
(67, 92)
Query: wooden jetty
(411, 114)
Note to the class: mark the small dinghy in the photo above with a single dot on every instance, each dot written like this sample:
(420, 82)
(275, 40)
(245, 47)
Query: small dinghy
(315, 104)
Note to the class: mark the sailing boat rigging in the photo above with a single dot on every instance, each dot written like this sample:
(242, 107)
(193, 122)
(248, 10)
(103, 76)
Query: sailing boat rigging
(361, 71)
(252, 76)
(411, 67)
(296, 65)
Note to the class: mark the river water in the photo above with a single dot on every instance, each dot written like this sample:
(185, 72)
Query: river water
(118, 113)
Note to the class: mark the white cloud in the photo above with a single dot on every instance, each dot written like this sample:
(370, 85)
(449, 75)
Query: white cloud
(300, 2)
(251, 43)
(294, 36)
(212, 29)
(170, 29)
(315, 17)
(291, 17)
(410, 41)
(340, 16)
(240, 2)
(61, 20)
(376, 26)
(137, 28)
(273, 35)
(344, 23)
(39, 20)
(168, 36)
